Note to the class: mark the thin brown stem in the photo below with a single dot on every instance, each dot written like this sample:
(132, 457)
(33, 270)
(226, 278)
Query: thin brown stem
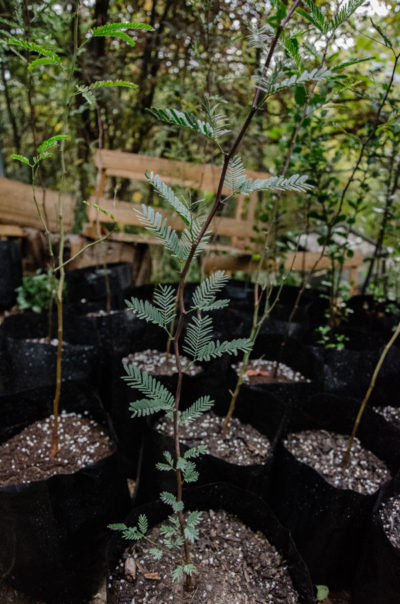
(346, 458)
(182, 278)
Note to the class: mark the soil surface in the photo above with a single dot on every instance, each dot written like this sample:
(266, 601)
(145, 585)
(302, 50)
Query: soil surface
(159, 363)
(324, 452)
(26, 456)
(391, 414)
(261, 371)
(243, 445)
(389, 513)
(234, 566)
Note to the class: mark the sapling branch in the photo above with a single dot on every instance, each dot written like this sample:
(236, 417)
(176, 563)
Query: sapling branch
(346, 458)
(181, 285)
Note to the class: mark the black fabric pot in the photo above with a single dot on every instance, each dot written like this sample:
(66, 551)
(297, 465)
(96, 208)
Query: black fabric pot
(266, 414)
(250, 509)
(349, 371)
(10, 272)
(378, 575)
(53, 532)
(326, 523)
(113, 335)
(372, 315)
(89, 283)
(33, 364)
(296, 356)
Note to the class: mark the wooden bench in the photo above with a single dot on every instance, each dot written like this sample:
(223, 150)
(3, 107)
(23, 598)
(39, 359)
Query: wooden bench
(239, 229)
(17, 209)
(204, 178)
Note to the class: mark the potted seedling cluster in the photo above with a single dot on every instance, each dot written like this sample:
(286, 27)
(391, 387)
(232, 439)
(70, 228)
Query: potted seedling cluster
(262, 453)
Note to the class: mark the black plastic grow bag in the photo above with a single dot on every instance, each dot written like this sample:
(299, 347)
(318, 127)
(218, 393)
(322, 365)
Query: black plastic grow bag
(31, 363)
(89, 284)
(378, 575)
(53, 532)
(10, 272)
(250, 509)
(296, 356)
(326, 523)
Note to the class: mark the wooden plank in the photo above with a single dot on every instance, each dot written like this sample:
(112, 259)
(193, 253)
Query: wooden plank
(300, 261)
(204, 177)
(123, 213)
(17, 206)
(11, 230)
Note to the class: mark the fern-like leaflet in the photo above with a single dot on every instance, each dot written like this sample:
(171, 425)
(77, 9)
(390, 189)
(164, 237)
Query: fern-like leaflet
(183, 119)
(205, 293)
(235, 175)
(212, 350)
(271, 87)
(169, 196)
(159, 398)
(200, 406)
(198, 335)
(296, 182)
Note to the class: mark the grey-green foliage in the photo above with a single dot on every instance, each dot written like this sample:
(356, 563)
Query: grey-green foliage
(238, 183)
(179, 246)
(199, 346)
(37, 291)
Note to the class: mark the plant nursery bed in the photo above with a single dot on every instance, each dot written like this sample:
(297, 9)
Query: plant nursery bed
(324, 452)
(243, 445)
(234, 566)
(156, 362)
(391, 414)
(261, 371)
(26, 456)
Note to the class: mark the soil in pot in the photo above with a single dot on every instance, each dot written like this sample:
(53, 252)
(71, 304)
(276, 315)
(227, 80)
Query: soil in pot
(53, 522)
(234, 565)
(324, 452)
(243, 458)
(391, 414)
(261, 371)
(258, 545)
(243, 445)
(26, 456)
(325, 506)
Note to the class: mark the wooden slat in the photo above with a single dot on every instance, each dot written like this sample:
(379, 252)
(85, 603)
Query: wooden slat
(17, 206)
(11, 230)
(300, 261)
(133, 165)
(123, 213)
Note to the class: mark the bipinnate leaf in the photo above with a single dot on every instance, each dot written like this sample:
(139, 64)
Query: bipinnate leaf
(21, 158)
(183, 119)
(51, 142)
(200, 406)
(205, 293)
(168, 194)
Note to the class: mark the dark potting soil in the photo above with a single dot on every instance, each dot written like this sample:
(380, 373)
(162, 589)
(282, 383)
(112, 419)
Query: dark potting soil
(389, 513)
(261, 371)
(324, 452)
(391, 414)
(243, 445)
(26, 456)
(234, 566)
(159, 363)
(53, 341)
